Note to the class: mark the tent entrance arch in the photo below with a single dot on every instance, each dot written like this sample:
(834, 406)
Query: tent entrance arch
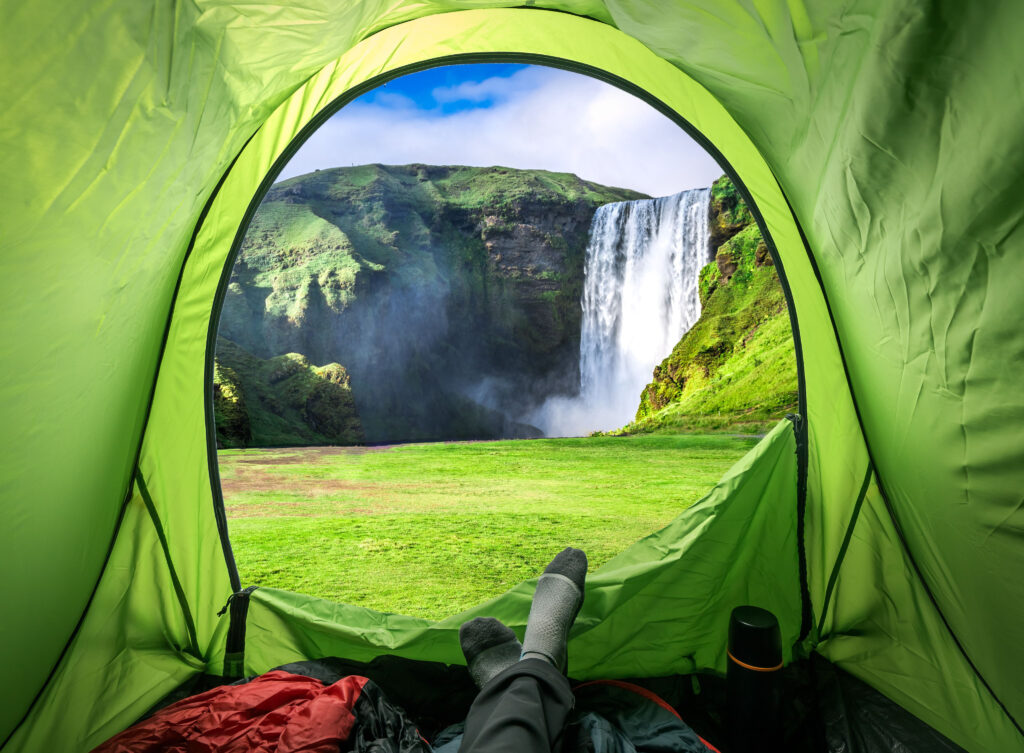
(165, 579)
(327, 112)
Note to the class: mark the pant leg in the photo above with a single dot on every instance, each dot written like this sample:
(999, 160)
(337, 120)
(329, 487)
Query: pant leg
(521, 710)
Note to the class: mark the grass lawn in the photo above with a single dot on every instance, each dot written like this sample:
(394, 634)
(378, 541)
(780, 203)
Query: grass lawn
(431, 529)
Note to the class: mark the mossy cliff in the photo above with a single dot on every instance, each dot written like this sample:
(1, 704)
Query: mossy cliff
(735, 369)
(284, 400)
(450, 294)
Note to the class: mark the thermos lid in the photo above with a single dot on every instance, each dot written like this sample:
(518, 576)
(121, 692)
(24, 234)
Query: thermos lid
(754, 638)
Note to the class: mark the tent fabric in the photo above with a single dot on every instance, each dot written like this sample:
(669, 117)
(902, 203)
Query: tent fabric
(879, 143)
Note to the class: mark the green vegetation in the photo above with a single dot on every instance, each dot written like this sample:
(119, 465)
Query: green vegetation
(281, 401)
(735, 370)
(432, 529)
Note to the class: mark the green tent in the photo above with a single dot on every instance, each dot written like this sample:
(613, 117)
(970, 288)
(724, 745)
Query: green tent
(880, 141)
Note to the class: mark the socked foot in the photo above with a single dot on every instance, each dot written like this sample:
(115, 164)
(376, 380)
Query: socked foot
(556, 603)
(489, 647)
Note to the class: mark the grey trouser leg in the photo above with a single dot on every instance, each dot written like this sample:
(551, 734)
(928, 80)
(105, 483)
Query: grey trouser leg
(521, 710)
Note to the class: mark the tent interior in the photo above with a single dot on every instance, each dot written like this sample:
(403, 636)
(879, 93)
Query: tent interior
(880, 143)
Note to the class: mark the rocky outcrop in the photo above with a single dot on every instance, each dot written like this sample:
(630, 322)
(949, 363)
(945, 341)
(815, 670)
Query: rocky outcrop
(727, 215)
(450, 294)
(280, 401)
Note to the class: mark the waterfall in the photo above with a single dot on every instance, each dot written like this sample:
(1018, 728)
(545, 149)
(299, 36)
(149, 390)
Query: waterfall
(640, 297)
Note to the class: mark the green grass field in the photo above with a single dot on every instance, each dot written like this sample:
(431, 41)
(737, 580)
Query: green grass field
(431, 529)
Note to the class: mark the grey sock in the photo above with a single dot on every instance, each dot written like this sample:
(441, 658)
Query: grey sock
(556, 603)
(489, 647)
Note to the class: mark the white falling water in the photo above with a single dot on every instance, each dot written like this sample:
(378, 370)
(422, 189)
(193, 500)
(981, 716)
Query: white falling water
(640, 296)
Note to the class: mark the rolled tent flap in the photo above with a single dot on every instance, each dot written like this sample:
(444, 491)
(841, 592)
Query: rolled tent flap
(881, 145)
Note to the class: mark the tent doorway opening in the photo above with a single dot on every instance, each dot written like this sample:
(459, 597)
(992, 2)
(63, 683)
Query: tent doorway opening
(462, 259)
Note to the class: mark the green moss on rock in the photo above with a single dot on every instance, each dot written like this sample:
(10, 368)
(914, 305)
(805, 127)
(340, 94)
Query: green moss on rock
(728, 212)
(707, 282)
(229, 408)
(289, 400)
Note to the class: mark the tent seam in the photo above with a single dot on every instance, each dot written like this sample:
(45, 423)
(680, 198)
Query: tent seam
(213, 470)
(190, 625)
(854, 517)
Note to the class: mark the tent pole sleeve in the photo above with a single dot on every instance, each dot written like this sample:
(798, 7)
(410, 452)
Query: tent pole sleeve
(800, 431)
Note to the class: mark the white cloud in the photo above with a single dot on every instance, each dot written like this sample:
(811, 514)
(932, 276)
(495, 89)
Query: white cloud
(542, 118)
(496, 88)
(389, 102)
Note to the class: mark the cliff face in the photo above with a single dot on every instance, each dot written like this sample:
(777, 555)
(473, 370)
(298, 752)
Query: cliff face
(736, 367)
(449, 294)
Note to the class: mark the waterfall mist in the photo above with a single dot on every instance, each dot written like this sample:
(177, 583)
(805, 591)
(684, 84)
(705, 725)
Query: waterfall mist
(640, 297)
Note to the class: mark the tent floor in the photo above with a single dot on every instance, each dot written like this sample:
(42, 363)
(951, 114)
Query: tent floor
(827, 709)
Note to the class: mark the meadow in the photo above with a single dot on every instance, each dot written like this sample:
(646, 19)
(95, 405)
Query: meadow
(431, 529)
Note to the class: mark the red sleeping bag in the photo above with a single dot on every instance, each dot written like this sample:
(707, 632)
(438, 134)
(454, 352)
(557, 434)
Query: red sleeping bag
(275, 713)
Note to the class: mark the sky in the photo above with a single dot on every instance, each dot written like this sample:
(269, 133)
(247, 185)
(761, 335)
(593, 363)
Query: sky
(520, 116)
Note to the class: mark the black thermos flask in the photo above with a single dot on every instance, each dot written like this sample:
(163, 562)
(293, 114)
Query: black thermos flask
(755, 658)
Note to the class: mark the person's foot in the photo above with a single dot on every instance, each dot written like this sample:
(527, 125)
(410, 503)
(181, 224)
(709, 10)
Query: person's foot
(489, 647)
(556, 603)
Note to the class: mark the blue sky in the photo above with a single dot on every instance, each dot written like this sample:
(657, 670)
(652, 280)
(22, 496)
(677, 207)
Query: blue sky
(521, 116)
(454, 85)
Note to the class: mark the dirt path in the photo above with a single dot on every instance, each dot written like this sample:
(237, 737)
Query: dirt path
(254, 473)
